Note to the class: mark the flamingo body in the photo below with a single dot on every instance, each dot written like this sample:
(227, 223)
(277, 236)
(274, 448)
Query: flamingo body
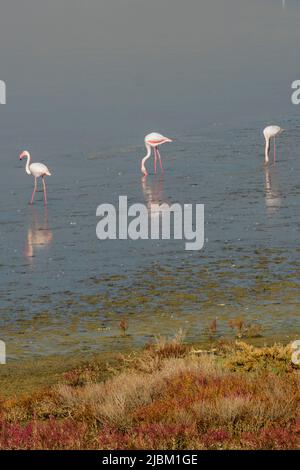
(153, 140)
(37, 170)
(271, 132)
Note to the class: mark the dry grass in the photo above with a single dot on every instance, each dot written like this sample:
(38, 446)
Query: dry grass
(169, 396)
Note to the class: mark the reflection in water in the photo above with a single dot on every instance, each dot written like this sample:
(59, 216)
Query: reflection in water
(39, 235)
(154, 197)
(153, 191)
(272, 191)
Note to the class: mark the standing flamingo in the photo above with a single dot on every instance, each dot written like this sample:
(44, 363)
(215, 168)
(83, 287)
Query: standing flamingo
(269, 133)
(36, 170)
(153, 140)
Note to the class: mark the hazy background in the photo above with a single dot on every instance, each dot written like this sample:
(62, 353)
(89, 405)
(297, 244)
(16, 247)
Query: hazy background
(81, 75)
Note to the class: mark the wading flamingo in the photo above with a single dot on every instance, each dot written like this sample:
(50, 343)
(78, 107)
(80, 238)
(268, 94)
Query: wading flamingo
(153, 140)
(36, 170)
(269, 133)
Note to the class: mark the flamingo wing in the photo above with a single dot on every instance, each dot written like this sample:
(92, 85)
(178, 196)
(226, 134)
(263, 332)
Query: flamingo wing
(39, 169)
(156, 139)
(272, 131)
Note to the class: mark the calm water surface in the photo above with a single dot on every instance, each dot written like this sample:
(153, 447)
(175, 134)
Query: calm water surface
(85, 83)
(63, 290)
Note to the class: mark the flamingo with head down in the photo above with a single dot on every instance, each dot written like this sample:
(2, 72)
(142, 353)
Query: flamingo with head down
(153, 140)
(37, 170)
(271, 132)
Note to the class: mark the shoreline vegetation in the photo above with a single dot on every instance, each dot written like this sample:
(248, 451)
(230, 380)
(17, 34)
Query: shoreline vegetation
(169, 395)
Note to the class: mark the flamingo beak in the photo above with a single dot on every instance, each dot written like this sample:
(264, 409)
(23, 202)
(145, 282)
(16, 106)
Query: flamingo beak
(22, 155)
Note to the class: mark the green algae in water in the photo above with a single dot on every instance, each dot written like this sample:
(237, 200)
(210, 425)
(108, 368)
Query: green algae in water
(159, 300)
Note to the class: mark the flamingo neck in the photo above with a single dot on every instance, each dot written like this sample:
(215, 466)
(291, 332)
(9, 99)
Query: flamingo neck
(28, 164)
(143, 169)
(267, 149)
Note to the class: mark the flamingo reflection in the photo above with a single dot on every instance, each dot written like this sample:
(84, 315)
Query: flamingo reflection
(272, 191)
(153, 191)
(39, 235)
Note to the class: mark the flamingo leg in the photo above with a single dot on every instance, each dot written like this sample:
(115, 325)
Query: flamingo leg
(45, 191)
(155, 159)
(160, 162)
(274, 149)
(34, 190)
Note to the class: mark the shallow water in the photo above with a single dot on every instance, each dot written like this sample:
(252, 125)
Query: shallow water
(84, 85)
(64, 291)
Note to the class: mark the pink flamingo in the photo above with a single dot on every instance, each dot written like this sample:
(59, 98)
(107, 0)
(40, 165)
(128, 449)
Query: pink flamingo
(269, 133)
(36, 170)
(153, 140)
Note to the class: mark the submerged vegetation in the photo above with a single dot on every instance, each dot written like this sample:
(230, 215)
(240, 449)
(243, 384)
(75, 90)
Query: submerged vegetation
(229, 298)
(171, 395)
